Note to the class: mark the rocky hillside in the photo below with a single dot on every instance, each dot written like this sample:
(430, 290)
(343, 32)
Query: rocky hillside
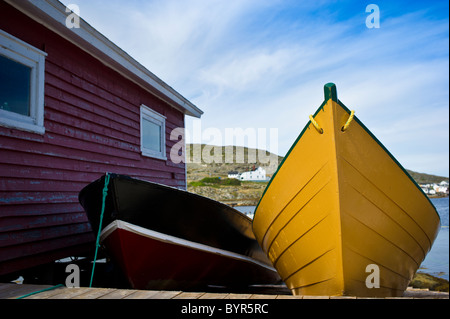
(422, 178)
(207, 161)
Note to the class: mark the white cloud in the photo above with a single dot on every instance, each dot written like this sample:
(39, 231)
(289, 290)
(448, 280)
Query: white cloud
(247, 72)
(264, 63)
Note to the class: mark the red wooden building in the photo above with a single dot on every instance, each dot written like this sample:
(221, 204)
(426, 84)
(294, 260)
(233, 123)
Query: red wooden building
(73, 106)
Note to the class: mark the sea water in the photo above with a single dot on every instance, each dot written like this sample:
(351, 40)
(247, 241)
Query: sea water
(436, 262)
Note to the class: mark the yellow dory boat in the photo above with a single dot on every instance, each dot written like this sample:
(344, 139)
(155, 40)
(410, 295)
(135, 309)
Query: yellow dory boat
(341, 216)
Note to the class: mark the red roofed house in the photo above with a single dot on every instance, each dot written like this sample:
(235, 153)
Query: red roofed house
(73, 106)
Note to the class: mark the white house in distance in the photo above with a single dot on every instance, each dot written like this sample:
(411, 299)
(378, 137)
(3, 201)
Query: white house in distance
(233, 174)
(433, 189)
(441, 188)
(257, 174)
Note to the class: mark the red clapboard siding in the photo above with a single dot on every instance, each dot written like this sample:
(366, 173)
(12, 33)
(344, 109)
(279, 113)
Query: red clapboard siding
(33, 235)
(38, 210)
(16, 223)
(89, 170)
(92, 123)
(54, 251)
(77, 236)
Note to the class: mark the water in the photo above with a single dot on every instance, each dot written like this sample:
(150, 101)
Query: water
(436, 263)
(247, 210)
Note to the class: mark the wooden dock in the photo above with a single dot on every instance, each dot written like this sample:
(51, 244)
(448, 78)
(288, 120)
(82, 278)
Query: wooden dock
(15, 291)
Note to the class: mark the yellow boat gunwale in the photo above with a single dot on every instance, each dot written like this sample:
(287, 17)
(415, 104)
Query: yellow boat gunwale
(330, 92)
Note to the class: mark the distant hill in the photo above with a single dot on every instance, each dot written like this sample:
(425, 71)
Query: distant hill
(239, 159)
(422, 178)
(249, 157)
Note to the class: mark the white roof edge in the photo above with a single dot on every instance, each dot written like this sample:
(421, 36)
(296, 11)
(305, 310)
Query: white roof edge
(52, 14)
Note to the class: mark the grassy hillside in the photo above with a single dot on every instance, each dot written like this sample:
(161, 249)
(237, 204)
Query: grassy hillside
(422, 178)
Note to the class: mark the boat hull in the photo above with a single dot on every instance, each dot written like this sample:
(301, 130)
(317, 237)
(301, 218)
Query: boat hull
(169, 262)
(148, 261)
(341, 216)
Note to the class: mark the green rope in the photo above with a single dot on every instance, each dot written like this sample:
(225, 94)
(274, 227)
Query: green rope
(39, 291)
(97, 244)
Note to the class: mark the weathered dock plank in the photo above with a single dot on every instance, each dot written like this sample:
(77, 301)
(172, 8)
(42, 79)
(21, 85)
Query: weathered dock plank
(263, 296)
(288, 297)
(14, 291)
(58, 293)
(238, 296)
(316, 297)
(214, 295)
(166, 294)
(189, 295)
(93, 293)
(142, 294)
(11, 291)
(117, 294)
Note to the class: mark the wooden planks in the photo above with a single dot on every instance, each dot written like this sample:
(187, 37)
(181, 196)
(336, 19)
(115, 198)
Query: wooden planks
(13, 291)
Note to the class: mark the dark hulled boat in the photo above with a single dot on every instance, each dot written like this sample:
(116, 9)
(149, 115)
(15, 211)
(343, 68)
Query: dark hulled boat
(166, 238)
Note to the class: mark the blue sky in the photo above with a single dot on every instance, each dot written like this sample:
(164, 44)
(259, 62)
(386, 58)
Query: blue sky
(263, 64)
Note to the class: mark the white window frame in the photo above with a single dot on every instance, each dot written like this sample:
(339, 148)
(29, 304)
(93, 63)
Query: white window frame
(160, 120)
(21, 52)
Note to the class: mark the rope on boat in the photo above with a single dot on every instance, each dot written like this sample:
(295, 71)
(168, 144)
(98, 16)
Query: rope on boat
(316, 125)
(97, 243)
(350, 119)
